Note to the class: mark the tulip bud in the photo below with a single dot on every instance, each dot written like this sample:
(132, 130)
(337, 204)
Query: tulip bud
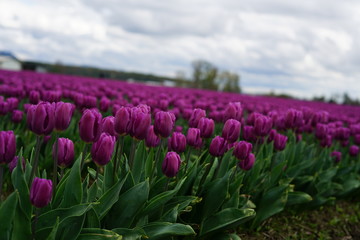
(233, 111)
(342, 133)
(90, 125)
(180, 128)
(354, 150)
(8, 146)
(171, 164)
(41, 118)
(248, 163)
(193, 137)
(280, 142)
(140, 122)
(152, 140)
(262, 125)
(177, 142)
(12, 165)
(321, 131)
(357, 139)
(218, 146)
(34, 97)
(13, 103)
(102, 149)
(336, 156)
(40, 192)
(231, 130)
(242, 150)
(17, 116)
(108, 125)
(293, 118)
(195, 117)
(206, 126)
(164, 123)
(249, 134)
(326, 141)
(104, 104)
(271, 135)
(63, 115)
(122, 121)
(65, 152)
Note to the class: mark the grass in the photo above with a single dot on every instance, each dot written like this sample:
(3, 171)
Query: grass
(340, 221)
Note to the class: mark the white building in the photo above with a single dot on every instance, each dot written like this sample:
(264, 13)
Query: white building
(9, 61)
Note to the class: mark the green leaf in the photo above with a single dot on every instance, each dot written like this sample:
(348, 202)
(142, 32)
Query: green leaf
(171, 215)
(129, 203)
(130, 234)
(271, 202)
(109, 199)
(73, 188)
(60, 191)
(52, 235)
(226, 219)
(109, 177)
(92, 192)
(98, 234)
(21, 226)
(139, 161)
(92, 219)
(225, 164)
(156, 202)
(70, 228)
(295, 198)
(149, 164)
(7, 213)
(158, 230)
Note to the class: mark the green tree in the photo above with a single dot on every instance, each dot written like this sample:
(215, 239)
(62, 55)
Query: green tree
(230, 82)
(204, 75)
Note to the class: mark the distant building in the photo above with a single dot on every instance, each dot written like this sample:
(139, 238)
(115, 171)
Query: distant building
(9, 62)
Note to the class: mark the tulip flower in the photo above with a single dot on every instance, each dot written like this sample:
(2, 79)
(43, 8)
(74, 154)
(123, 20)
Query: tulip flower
(293, 118)
(218, 146)
(177, 142)
(41, 118)
(12, 165)
(108, 125)
(336, 156)
(206, 126)
(195, 117)
(122, 121)
(63, 115)
(40, 192)
(248, 163)
(102, 149)
(233, 111)
(140, 122)
(164, 123)
(152, 140)
(7, 146)
(231, 130)
(65, 152)
(34, 97)
(17, 116)
(193, 137)
(90, 125)
(242, 150)
(171, 164)
(353, 150)
(280, 142)
(262, 125)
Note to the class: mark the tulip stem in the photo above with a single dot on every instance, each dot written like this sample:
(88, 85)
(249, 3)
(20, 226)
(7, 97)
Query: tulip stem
(203, 178)
(36, 160)
(83, 155)
(61, 173)
(187, 159)
(97, 173)
(35, 222)
(55, 163)
(1, 180)
(132, 153)
(116, 155)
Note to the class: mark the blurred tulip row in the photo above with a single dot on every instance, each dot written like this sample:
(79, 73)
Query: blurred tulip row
(85, 158)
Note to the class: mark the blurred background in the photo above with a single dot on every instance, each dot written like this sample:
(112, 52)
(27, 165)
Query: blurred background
(308, 49)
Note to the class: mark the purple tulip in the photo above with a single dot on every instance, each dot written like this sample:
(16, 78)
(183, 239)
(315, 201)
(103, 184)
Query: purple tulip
(293, 118)
(206, 126)
(34, 97)
(102, 149)
(218, 146)
(249, 134)
(262, 125)
(233, 111)
(248, 163)
(336, 156)
(40, 192)
(7, 146)
(178, 129)
(272, 135)
(231, 130)
(41, 118)
(342, 133)
(17, 116)
(242, 150)
(65, 152)
(140, 122)
(280, 142)
(4, 108)
(104, 104)
(122, 121)
(171, 164)
(90, 125)
(108, 125)
(164, 123)
(193, 137)
(195, 117)
(12, 165)
(353, 150)
(63, 115)
(177, 142)
(357, 139)
(152, 140)
(326, 141)
(321, 130)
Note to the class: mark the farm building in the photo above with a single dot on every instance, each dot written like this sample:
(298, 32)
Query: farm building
(9, 62)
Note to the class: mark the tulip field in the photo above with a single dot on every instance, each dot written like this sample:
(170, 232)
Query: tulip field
(94, 159)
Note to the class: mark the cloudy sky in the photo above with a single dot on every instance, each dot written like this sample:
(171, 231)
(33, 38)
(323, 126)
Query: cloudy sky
(303, 47)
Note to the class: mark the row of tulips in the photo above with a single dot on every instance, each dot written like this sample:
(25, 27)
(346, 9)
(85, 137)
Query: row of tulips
(96, 159)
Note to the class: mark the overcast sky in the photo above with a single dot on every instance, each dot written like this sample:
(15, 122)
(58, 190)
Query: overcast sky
(303, 47)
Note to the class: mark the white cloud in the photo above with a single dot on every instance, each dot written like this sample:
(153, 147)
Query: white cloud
(308, 48)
